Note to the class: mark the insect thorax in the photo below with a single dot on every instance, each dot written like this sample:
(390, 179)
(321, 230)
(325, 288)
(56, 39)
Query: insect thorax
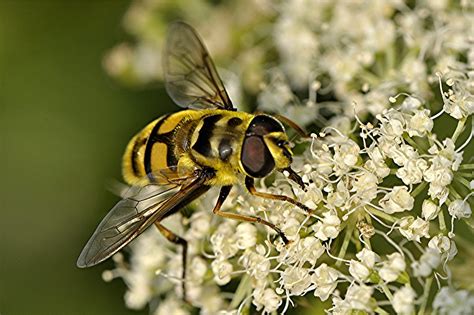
(217, 140)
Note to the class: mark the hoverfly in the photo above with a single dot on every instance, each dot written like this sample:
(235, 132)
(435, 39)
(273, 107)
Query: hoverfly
(178, 157)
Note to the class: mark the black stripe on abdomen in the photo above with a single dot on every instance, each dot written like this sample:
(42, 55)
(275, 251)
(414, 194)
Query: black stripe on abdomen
(203, 142)
(152, 139)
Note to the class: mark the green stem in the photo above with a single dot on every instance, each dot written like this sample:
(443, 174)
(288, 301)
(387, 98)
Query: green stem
(454, 193)
(442, 222)
(345, 243)
(381, 311)
(387, 292)
(466, 167)
(459, 129)
(390, 59)
(382, 215)
(413, 143)
(241, 292)
(356, 240)
(367, 239)
(419, 189)
(466, 174)
(426, 294)
(463, 181)
(369, 77)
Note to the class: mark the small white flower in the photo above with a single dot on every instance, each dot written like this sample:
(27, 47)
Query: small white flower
(223, 240)
(200, 224)
(412, 171)
(420, 123)
(209, 300)
(362, 269)
(368, 257)
(429, 210)
(392, 267)
(444, 245)
(448, 301)
(376, 163)
(360, 297)
(458, 104)
(439, 173)
(402, 154)
(398, 200)
(438, 192)
(298, 47)
(404, 300)
(276, 95)
(324, 277)
(446, 155)
(429, 261)
(296, 280)
(414, 229)
(307, 249)
(459, 209)
(339, 197)
(246, 235)
(323, 160)
(310, 249)
(196, 270)
(358, 270)
(346, 154)
(222, 270)
(171, 305)
(393, 123)
(410, 104)
(266, 299)
(255, 264)
(366, 186)
(290, 227)
(328, 228)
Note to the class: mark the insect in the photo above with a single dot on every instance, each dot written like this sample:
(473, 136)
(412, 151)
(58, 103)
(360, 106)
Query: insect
(178, 157)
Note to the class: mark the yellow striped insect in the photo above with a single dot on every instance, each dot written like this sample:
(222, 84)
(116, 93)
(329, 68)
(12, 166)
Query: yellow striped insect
(180, 156)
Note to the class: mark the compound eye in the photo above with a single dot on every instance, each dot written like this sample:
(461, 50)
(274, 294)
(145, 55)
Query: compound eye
(262, 125)
(256, 158)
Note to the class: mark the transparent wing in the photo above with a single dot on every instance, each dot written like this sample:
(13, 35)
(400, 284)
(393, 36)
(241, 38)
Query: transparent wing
(190, 75)
(141, 207)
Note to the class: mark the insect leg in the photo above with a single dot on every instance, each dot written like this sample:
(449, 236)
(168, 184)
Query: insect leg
(172, 237)
(287, 121)
(217, 210)
(249, 183)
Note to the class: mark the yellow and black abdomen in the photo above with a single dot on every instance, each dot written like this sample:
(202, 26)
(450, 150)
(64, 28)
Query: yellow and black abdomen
(158, 146)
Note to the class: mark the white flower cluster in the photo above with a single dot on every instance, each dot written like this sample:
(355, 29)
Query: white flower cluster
(389, 177)
(371, 231)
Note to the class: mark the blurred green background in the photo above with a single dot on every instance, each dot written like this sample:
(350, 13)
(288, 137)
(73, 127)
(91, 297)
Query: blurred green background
(64, 125)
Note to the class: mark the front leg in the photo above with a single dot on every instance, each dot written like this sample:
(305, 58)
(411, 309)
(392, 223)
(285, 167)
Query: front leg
(249, 183)
(225, 190)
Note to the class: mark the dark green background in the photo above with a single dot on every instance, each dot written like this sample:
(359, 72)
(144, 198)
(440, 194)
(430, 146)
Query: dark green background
(64, 125)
